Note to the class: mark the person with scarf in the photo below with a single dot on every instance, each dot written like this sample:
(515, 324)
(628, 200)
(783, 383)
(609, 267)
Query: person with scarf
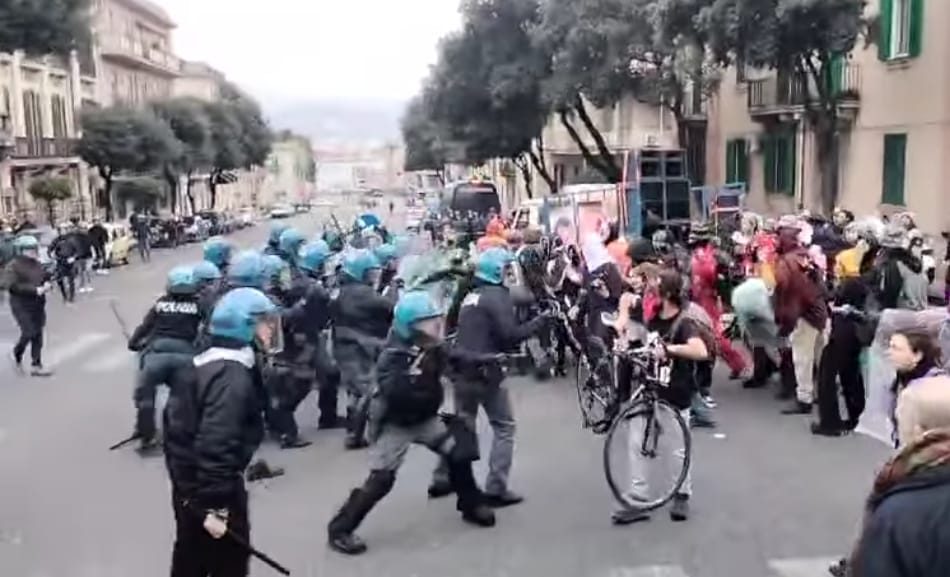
(915, 357)
(905, 533)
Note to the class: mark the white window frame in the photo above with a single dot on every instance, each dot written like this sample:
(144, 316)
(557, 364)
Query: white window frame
(901, 16)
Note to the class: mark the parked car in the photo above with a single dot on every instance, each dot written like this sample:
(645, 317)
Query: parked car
(196, 229)
(120, 244)
(246, 218)
(164, 232)
(282, 211)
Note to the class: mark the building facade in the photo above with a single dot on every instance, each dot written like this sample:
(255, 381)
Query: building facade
(290, 177)
(40, 101)
(198, 80)
(134, 52)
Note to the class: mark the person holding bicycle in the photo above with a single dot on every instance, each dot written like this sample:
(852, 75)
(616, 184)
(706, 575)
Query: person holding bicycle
(683, 347)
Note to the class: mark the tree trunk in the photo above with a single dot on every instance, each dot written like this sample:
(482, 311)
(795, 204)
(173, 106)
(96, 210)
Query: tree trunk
(107, 193)
(441, 175)
(538, 162)
(51, 211)
(594, 162)
(525, 169)
(828, 162)
(213, 188)
(173, 181)
(188, 194)
(614, 173)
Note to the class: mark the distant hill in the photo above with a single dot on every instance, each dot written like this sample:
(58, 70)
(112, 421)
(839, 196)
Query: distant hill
(339, 121)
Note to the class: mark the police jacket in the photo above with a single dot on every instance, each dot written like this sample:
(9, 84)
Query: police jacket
(214, 425)
(176, 317)
(314, 311)
(360, 314)
(409, 381)
(487, 321)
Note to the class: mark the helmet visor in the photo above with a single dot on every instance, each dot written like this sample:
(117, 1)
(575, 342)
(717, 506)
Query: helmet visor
(269, 334)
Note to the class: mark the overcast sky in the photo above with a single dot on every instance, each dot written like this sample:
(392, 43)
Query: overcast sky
(287, 50)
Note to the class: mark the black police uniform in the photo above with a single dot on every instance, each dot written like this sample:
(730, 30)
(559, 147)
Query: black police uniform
(213, 426)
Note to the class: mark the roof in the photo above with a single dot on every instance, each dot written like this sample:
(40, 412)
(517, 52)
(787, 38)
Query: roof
(152, 9)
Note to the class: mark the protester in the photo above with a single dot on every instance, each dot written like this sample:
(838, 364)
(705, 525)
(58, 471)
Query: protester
(65, 251)
(99, 237)
(915, 356)
(28, 283)
(139, 223)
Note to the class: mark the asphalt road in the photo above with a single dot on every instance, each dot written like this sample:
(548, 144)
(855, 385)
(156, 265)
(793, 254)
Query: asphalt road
(769, 499)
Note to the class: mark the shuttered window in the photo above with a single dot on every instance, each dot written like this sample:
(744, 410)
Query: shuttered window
(901, 29)
(779, 162)
(737, 161)
(895, 156)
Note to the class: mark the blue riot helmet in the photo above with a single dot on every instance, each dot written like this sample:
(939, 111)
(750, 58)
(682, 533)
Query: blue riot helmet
(276, 230)
(313, 256)
(359, 265)
(410, 315)
(490, 265)
(403, 245)
(181, 281)
(276, 272)
(385, 254)
(247, 270)
(26, 243)
(290, 242)
(246, 315)
(218, 252)
(334, 240)
(205, 272)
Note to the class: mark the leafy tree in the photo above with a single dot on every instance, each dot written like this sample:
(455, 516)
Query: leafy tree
(49, 190)
(42, 27)
(187, 119)
(803, 38)
(117, 140)
(420, 135)
(143, 191)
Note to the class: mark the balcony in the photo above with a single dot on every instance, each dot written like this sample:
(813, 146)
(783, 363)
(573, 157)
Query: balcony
(786, 94)
(695, 107)
(33, 148)
(136, 53)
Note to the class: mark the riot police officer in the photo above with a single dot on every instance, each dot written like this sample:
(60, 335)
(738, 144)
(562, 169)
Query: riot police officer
(405, 412)
(361, 319)
(218, 252)
(316, 322)
(166, 339)
(273, 238)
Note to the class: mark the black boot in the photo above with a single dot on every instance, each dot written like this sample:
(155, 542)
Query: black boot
(357, 507)
(787, 373)
(145, 431)
(471, 502)
(798, 408)
(355, 430)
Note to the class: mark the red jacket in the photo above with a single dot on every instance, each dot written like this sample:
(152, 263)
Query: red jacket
(797, 296)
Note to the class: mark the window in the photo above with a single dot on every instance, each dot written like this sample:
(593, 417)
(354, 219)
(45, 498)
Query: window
(902, 23)
(58, 106)
(737, 161)
(895, 152)
(33, 116)
(779, 153)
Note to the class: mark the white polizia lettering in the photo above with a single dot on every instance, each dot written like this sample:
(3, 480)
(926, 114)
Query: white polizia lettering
(176, 307)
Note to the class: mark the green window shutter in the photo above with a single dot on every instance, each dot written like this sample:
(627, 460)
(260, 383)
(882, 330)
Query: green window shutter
(916, 27)
(791, 155)
(768, 147)
(742, 162)
(730, 161)
(837, 66)
(895, 150)
(884, 35)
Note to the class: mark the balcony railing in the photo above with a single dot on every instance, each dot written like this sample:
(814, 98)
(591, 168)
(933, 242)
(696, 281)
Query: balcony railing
(786, 91)
(44, 147)
(137, 51)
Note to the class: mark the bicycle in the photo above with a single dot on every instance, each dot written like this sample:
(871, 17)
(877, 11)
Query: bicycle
(644, 417)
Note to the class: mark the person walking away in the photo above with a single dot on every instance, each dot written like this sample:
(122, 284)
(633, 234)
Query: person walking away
(898, 280)
(801, 313)
(140, 228)
(704, 268)
(213, 426)
(64, 251)
(99, 237)
(684, 347)
(905, 533)
(361, 320)
(405, 413)
(486, 327)
(166, 342)
(84, 248)
(27, 283)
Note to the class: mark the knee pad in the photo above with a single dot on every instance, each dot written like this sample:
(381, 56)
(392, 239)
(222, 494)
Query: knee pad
(380, 483)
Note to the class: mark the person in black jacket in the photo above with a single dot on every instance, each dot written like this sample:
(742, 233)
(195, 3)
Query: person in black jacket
(316, 313)
(65, 252)
(27, 282)
(405, 412)
(99, 237)
(166, 341)
(486, 327)
(213, 427)
(361, 319)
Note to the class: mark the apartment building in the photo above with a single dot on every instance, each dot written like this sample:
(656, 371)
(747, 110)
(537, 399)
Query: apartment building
(895, 131)
(198, 80)
(134, 48)
(40, 100)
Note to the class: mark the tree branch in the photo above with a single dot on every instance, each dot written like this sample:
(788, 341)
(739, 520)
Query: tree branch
(522, 165)
(538, 162)
(595, 162)
(612, 170)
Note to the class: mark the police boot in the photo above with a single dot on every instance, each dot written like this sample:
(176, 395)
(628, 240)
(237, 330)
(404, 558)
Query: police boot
(327, 404)
(355, 430)
(340, 530)
(145, 431)
(470, 500)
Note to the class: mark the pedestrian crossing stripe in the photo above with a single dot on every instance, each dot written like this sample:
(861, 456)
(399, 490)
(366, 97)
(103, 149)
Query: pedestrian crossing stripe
(797, 567)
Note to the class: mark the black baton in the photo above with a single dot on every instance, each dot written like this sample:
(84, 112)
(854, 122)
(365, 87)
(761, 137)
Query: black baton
(240, 542)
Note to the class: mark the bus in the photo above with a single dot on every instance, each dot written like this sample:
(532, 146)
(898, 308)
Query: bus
(476, 196)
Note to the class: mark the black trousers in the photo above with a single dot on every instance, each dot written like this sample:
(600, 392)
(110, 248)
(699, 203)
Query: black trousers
(31, 323)
(840, 363)
(99, 251)
(66, 279)
(198, 554)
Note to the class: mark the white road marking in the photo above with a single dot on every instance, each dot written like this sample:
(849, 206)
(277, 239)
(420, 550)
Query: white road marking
(84, 342)
(651, 571)
(802, 567)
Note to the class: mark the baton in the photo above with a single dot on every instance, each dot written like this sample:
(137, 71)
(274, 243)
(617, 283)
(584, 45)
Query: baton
(119, 319)
(240, 542)
(124, 442)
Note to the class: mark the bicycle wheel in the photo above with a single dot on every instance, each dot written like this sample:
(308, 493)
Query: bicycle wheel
(647, 454)
(595, 397)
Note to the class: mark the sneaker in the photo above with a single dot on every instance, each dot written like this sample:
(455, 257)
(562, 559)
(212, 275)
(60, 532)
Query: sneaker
(709, 401)
(480, 516)
(439, 489)
(680, 510)
(506, 499)
(293, 443)
(799, 408)
(818, 430)
(39, 371)
(347, 543)
(17, 363)
(623, 517)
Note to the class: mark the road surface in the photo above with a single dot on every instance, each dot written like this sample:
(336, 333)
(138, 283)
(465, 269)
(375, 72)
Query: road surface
(770, 499)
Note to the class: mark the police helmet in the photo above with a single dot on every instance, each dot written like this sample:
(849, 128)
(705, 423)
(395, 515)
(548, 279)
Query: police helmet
(334, 240)
(314, 255)
(247, 270)
(490, 266)
(276, 230)
(25, 242)
(218, 252)
(411, 308)
(206, 272)
(290, 242)
(357, 263)
(385, 253)
(238, 312)
(181, 281)
(276, 270)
